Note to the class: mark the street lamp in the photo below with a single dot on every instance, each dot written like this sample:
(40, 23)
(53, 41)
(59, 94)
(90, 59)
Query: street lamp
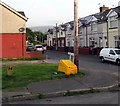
(22, 30)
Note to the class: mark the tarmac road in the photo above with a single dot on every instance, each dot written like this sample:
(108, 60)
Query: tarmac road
(90, 62)
(96, 98)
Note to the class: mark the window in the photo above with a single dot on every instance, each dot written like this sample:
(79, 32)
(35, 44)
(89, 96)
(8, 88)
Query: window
(79, 30)
(81, 43)
(117, 41)
(117, 51)
(39, 46)
(113, 22)
(112, 52)
(94, 26)
(69, 30)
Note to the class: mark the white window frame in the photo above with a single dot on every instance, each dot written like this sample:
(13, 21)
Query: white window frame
(94, 26)
(113, 22)
(117, 41)
(81, 43)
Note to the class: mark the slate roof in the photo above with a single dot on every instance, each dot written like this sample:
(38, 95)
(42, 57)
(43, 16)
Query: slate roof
(117, 9)
(104, 15)
(86, 20)
(101, 16)
(50, 31)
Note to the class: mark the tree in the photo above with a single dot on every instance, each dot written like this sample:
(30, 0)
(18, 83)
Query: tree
(31, 35)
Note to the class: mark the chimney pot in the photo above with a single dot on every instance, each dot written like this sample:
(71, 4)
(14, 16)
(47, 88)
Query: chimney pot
(103, 8)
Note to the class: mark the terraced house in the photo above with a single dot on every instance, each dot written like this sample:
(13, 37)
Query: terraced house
(113, 27)
(95, 31)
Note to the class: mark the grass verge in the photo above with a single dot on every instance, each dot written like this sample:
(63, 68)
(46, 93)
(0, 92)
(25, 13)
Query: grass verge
(23, 74)
(19, 59)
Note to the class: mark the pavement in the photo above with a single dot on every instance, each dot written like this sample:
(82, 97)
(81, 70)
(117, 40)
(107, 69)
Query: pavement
(92, 80)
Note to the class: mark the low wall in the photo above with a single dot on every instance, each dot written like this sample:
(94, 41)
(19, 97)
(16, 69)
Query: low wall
(33, 54)
(96, 51)
(83, 50)
(62, 49)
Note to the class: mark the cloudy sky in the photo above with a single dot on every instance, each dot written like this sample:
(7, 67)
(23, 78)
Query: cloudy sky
(50, 12)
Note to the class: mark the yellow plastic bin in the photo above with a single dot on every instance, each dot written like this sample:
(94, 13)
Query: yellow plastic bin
(10, 70)
(67, 67)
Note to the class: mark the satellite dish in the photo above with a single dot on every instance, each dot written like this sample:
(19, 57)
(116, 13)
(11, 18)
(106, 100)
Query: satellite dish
(21, 29)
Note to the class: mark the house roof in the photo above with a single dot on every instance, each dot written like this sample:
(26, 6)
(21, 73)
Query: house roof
(117, 10)
(18, 13)
(50, 31)
(101, 16)
(86, 20)
(104, 15)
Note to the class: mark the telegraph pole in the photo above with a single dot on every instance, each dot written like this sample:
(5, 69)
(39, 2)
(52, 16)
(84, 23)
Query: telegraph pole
(56, 38)
(76, 51)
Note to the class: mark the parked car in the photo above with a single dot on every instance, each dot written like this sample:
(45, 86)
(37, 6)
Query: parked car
(110, 54)
(30, 47)
(30, 44)
(39, 48)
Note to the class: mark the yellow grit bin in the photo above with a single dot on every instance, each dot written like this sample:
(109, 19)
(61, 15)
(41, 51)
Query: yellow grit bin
(67, 67)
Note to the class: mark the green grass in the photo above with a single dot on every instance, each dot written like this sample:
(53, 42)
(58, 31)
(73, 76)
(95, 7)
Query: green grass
(25, 74)
(19, 59)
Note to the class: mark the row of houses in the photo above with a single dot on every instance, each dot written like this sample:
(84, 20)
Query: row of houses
(95, 31)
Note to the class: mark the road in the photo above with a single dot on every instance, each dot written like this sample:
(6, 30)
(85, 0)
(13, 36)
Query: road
(96, 98)
(90, 62)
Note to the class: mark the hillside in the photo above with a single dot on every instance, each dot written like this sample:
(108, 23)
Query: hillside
(41, 28)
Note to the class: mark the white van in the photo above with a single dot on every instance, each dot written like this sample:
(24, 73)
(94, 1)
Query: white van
(110, 54)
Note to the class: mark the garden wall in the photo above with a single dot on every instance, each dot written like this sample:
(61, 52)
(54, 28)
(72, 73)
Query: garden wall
(33, 54)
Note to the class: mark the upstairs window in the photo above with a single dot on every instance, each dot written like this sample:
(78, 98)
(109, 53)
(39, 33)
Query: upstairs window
(113, 22)
(79, 30)
(94, 26)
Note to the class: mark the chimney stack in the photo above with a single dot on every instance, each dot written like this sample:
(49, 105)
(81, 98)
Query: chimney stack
(103, 8)
(119, 3)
